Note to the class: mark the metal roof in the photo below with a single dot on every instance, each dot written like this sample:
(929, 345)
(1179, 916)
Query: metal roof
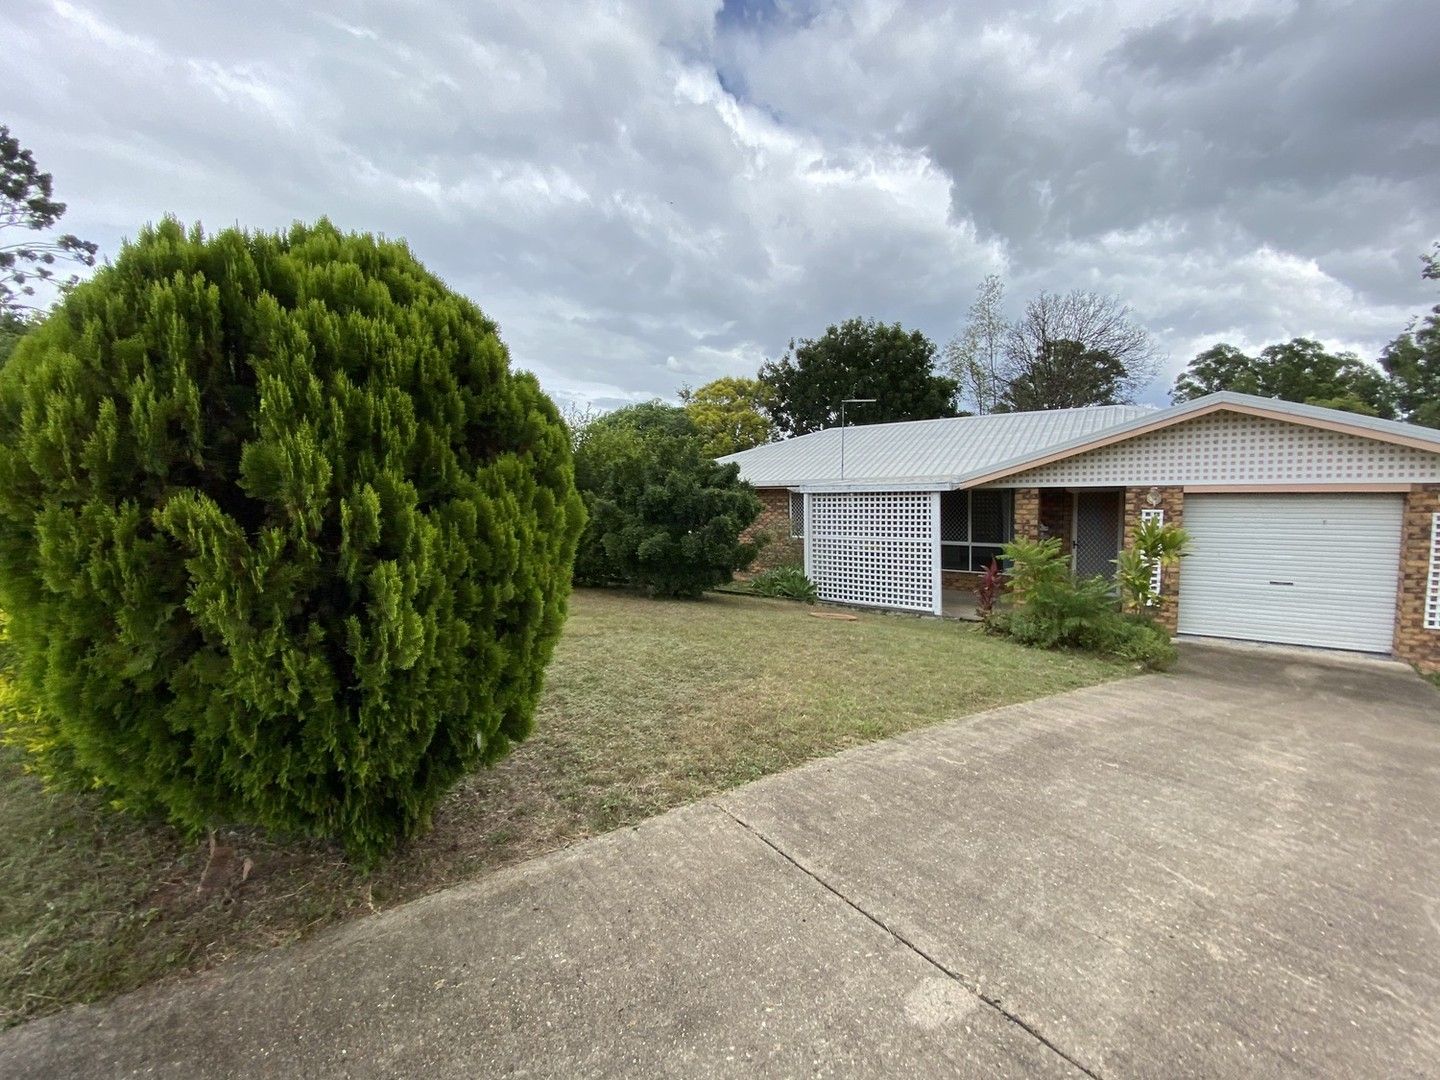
(959, 451)
(917, 453)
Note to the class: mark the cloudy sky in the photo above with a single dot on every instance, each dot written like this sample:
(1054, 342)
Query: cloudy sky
(657, 193)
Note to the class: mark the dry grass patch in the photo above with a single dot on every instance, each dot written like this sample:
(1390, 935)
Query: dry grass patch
(649, 704)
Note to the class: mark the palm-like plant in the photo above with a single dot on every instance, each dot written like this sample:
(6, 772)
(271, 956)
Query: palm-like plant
(1155, 543)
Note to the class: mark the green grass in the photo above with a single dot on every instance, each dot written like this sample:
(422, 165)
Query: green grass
(649, 704)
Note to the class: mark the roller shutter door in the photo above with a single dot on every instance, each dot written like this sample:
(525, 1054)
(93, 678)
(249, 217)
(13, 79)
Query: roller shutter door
(1296, 569)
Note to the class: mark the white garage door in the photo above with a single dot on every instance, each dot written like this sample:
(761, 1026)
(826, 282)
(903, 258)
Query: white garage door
(1298, 569)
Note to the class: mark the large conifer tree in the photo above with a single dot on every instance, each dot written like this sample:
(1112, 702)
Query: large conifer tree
(283, 539)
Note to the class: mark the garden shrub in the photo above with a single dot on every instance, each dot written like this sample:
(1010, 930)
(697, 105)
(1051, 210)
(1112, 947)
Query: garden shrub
(1143, 642)
(988, 589)
(1153, 542)
(1035, 563)
(1058, 611)
(786, 582)
(283, 539)
(663, 515)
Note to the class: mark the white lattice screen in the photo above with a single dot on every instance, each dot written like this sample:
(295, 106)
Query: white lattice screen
(1157, 516)
(878, 549)
(1432, 590)
(1234, 448)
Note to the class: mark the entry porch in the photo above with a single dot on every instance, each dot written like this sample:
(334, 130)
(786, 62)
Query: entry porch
(926, 550)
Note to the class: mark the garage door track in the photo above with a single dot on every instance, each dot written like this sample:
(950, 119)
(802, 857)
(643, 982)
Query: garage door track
(1232, 870)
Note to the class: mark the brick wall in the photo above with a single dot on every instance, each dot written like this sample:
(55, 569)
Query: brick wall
(1413, 642)
(774, 521)
(1056, 505)
(958, 579)
(1172, 501)
(1027, 513)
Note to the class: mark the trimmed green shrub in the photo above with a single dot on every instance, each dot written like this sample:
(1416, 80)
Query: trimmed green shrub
(1064, 613)
(1055, 610)
(1143, 642)
(785, 582)
(663, 515)
(283, 539)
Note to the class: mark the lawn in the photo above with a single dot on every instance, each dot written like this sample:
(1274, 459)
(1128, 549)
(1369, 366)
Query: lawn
(649, 704)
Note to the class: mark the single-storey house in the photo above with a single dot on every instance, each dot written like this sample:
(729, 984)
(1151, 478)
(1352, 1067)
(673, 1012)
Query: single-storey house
(1308, 526)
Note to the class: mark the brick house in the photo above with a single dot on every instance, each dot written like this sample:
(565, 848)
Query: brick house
(1308, 526)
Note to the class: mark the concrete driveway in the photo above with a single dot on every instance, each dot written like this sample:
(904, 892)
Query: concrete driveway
(1230, 871)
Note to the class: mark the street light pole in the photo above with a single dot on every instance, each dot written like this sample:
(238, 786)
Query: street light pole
(843, 403)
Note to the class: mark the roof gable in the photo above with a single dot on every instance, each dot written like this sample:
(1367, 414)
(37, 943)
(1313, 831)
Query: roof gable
(1229, 447)
(1424, 440)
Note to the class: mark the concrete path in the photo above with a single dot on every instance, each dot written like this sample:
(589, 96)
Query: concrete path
(1233, 870)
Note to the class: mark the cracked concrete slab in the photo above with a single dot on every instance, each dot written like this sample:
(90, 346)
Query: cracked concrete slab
(1231, 871)
(1234, 870)
(685, 947)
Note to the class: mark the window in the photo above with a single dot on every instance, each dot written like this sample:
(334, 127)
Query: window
(797, 514)
(973, 525)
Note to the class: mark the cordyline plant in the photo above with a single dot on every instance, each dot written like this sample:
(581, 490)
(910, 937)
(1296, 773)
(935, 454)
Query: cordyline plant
(988, 589)
(283, 539)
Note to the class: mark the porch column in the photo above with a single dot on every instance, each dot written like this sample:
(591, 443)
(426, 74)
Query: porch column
(1417, 628)
(1170, 503)
(1027, 513)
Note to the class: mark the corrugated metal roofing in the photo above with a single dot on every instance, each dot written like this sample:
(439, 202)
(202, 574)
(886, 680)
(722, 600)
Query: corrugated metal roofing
(918, 452)
(929, 454)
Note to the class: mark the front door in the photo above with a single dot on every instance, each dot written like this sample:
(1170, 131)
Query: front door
(1096, 537)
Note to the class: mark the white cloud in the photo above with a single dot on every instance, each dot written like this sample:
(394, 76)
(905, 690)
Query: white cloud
(652, 194)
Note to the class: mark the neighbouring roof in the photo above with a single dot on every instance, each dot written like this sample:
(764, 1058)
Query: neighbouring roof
(966, 450)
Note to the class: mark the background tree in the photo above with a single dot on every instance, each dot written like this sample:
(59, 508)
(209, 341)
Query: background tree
(13, 326)
(731, 414)
(283, 539)
(1091, 325)
(860, 358)
(1297, 370)
(1065, 375)
(664, 515)
(576, 418)
(974, 358)
(1412, 361)
(1220, 367)
(27, 205)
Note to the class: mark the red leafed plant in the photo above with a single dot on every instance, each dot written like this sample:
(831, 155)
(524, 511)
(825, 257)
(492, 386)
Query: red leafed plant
(991, 584)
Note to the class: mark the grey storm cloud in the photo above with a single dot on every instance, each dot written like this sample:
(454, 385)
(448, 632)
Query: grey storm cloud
(653, 194)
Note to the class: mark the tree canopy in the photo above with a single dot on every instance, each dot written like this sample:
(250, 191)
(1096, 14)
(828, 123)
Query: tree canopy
(1065, 375)
(974, 358)
(859, 358)
(1300, 370)
(730, 414)
(1412, 360)
(664, 515)
(1047, 347)
(27, 204)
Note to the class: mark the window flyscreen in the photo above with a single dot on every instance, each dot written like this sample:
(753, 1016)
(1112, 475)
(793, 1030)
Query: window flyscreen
(990, 513)
(973, 525)
(955, 516)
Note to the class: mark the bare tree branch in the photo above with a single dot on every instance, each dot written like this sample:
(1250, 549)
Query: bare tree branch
(1061, 338)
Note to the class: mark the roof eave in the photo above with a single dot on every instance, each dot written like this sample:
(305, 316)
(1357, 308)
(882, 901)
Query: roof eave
(1333, 420)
